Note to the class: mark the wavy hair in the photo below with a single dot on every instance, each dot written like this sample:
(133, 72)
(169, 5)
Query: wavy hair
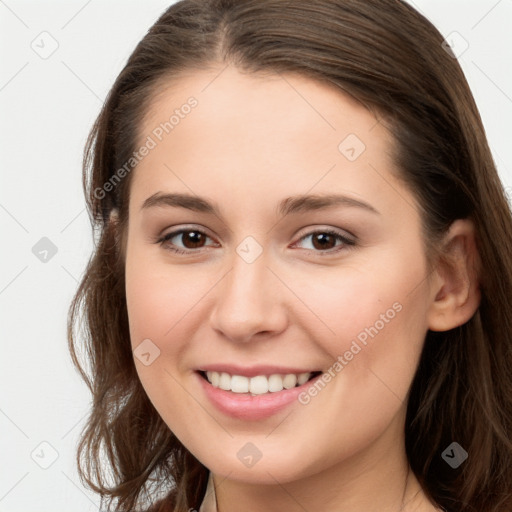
(391, 59)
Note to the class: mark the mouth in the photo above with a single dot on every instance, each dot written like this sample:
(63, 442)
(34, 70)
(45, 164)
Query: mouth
(258, 384)
(254, 393)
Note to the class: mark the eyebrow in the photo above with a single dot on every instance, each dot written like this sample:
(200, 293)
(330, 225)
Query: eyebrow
(287, 206)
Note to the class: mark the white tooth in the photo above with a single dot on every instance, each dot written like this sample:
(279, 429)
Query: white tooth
(225, 381)
(289, 381)
(275, 383)
(239, 384)
(258, 385)
(303, 378)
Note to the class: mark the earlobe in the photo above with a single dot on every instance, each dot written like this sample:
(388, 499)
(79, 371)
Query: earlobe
(114, 216)
(455, 286)
(113, 226)
(113, 223)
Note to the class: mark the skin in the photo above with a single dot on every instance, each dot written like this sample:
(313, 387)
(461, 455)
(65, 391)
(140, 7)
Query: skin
(252, 141)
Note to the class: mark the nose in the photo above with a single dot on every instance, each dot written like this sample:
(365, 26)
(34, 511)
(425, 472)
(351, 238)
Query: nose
(249, 302)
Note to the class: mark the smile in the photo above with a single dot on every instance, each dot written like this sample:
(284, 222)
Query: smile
(258, 385)
(257, 395)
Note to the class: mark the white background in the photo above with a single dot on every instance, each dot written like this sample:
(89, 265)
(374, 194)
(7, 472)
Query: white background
(47, 109)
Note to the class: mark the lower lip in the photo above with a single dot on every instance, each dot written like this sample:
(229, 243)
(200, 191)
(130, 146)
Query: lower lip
(252, 408)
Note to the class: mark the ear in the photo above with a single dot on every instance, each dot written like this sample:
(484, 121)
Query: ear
(113, 224)
(114, 216)
(115, 230)
(455, 282)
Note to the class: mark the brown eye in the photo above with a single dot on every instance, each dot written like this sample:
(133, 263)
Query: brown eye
(323, 241)
(327, 241)
(192, 239)
(184, 240)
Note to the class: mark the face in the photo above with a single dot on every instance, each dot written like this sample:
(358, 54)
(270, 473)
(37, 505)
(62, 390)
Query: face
(247, 277)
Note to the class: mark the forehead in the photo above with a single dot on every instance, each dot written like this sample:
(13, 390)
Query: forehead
(221, 127)
(271, 103)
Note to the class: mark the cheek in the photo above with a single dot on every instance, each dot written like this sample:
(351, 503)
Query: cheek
(347, 304)
(371, 322)
(160, 303)
(165, 305)
(160, 297)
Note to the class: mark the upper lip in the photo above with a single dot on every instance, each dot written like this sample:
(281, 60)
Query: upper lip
(253, 371)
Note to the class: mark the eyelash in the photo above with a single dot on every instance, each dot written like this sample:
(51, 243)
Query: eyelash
(347, 243)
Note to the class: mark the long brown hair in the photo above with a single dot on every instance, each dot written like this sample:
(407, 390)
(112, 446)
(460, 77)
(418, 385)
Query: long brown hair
(391, 59)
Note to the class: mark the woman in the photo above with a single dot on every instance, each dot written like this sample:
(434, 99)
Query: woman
(301, 291)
